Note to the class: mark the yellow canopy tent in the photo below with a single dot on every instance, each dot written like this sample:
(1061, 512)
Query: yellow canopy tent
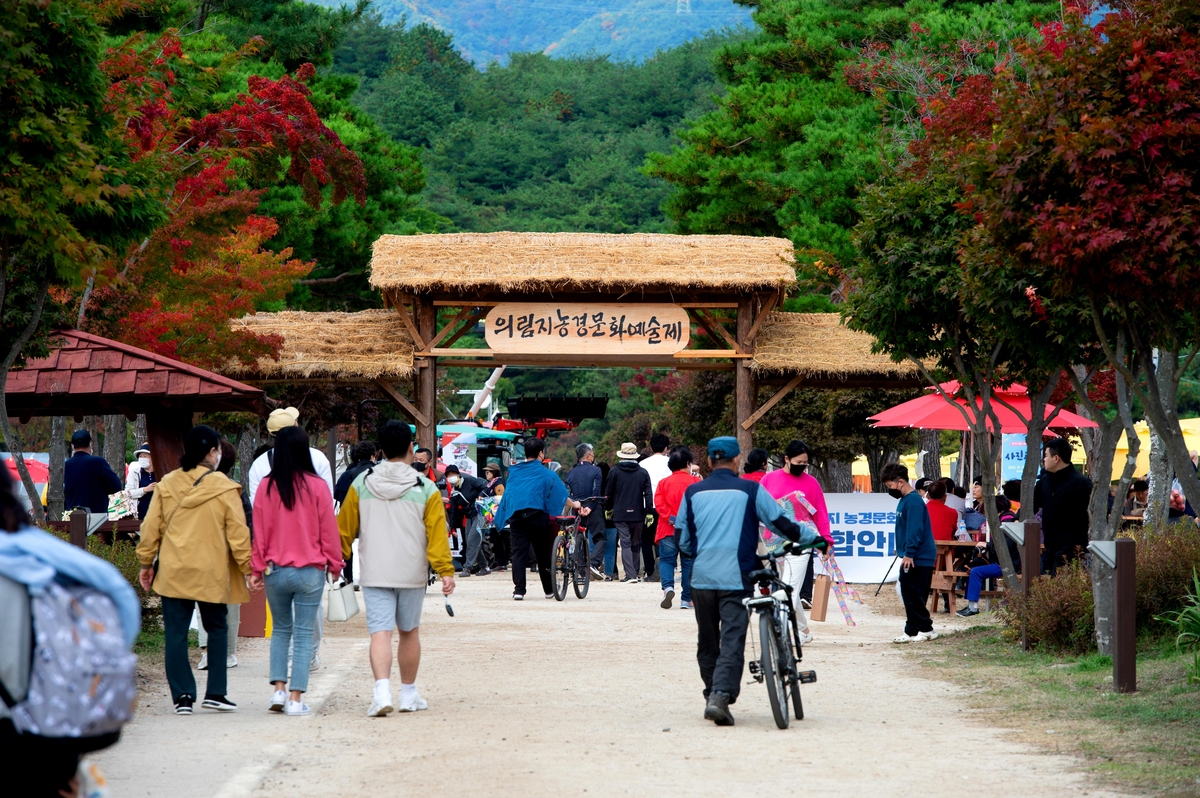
(1191, 436)
(862, 472)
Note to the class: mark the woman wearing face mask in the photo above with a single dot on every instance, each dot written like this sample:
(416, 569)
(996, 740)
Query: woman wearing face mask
(197, 532)
(139, 480)
(808, 502)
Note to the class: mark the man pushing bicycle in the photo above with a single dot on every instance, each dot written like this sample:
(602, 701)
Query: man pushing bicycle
(718, 525)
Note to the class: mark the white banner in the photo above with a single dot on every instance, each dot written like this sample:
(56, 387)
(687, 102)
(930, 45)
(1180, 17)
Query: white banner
(863, 526)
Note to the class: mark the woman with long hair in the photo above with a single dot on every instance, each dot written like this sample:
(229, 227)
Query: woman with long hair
(296, 542)
(197, 533)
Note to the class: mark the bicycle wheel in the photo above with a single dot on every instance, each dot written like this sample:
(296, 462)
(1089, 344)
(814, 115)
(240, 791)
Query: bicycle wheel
(772, 673)
(793, 670)
(583, 577)
(560, 564)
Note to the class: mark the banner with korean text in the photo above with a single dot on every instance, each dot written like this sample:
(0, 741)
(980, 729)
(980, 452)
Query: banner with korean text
(863, 526)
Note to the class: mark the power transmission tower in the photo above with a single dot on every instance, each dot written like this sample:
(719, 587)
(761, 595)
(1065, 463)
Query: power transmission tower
(683, 6)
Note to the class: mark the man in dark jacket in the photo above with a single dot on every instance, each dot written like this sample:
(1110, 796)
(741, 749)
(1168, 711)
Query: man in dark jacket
(629, 496)
(464, 489)
(1062, 495)
(584, 481)
(88, 480)
(362, 457)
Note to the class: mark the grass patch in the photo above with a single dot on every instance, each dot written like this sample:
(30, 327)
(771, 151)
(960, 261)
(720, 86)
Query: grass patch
(1148, 741)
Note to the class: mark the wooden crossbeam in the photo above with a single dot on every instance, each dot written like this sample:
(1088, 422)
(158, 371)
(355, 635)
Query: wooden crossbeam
(767, 307)
(462, 314)
(402, 400)
(775, 399)
(721, 353)
(714, 328)
(410, 324)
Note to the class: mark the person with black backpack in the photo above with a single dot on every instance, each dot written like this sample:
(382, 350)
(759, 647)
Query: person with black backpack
(48, 586)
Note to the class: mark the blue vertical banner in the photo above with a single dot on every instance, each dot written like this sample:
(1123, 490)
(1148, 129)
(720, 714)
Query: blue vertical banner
(1012, 462)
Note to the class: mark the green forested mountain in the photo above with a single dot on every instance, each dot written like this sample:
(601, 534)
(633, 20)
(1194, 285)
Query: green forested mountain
(491, 30)
(541, 143)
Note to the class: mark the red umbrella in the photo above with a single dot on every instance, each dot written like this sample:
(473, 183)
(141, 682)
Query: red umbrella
(39, 471)
(932, 411)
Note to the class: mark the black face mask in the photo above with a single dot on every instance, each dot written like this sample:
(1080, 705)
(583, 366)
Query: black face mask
(796, 469)
(419, 465)
(895, 493)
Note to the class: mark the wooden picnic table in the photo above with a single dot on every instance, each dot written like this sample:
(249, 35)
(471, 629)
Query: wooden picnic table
(944, 573)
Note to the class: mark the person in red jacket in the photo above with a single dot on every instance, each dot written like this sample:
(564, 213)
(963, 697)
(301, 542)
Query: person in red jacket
(943, 519)
(666, 502)
(296, 540)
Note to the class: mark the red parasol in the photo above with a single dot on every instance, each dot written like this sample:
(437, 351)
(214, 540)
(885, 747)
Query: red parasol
(38, 471)
(932, 411)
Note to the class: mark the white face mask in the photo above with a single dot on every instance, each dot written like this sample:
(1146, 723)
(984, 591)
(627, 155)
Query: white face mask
(217, 464)
(144, 463)
(452, 480)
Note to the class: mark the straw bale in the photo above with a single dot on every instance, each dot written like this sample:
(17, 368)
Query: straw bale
(471, 262)
(819, 345)
(344, 346)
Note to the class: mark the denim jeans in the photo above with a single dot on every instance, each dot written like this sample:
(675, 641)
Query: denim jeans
(299, 590)
(978, 574)
(610, 551)
(668, 549)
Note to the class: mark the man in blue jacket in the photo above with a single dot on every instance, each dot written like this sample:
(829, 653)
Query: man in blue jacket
(531, 496)
(88, 480)
(914, 542)
(718, 525)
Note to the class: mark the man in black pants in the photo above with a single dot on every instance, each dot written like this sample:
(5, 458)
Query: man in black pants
(719, 517)
(1062, 494)
(531, 496)
(914, 542)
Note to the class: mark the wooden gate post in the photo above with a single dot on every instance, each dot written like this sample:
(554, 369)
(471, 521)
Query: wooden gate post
(1031, 564)
(79, 519)
(743, 379)
(426, 381)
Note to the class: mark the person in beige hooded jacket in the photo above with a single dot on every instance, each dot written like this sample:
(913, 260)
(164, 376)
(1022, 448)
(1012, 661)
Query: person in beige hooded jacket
(196, 530)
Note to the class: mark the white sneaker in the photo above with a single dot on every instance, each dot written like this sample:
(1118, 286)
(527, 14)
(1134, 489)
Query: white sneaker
(412, 702)
(278, 701)
(805, 638)
(231, 661)
(923, 636)
(203, 666)
(906, 639)
(549, 595)
(806, 604)
(316, 662)
(380, 707)
(298, 708)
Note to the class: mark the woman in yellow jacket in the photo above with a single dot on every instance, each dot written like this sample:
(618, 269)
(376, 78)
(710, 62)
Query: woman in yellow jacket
(196, 530)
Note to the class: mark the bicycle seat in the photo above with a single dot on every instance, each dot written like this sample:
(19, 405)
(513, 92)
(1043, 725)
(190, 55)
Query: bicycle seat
(761, 575)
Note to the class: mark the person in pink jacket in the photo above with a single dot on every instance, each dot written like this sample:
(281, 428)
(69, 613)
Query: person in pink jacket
(809, 504)
(296, 541)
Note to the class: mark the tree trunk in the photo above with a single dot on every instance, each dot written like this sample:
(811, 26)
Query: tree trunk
(140, 434)
(1160, 466)
(838, 477)
(11, 436)
(1033, 445)
(247, 443)
(115, 433)
(58, 458)
(929, 441)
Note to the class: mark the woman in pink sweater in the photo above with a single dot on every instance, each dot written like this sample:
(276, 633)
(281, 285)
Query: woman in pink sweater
(296, 542)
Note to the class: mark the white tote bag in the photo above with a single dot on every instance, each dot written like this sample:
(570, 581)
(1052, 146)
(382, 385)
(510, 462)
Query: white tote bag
(343, 604)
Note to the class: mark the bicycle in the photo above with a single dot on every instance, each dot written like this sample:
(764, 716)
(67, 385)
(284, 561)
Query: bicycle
(570, 555)
(780, 639)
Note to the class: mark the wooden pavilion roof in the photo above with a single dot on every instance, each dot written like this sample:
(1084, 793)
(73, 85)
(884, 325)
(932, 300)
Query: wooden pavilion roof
(88, 374)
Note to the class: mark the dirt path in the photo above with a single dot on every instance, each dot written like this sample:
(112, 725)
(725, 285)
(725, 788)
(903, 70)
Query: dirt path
(600, 696)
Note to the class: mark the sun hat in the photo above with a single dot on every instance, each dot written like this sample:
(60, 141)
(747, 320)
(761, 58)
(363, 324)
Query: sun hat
(723, 448)
(145, 447)
(628, 452)
(283, 417)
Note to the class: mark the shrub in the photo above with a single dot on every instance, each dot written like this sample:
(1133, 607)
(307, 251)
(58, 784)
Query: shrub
(1186, 625)
(122, 554)
(1059, 613)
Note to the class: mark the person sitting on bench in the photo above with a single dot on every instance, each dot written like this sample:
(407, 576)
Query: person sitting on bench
(991, 570)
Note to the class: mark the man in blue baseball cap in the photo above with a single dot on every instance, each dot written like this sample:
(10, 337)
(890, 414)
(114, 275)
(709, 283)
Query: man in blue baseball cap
(718, 526)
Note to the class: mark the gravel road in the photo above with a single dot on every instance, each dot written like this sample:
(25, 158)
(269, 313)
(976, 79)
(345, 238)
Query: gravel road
(597, 697)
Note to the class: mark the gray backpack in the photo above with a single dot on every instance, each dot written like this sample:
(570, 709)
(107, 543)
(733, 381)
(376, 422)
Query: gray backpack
(81, 680)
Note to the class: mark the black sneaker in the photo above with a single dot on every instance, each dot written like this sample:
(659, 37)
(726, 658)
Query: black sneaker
(184, 705)
(966, 612)
(668, 597)
(718, 709)
(630, 579)
(219, 703)
(518, 596)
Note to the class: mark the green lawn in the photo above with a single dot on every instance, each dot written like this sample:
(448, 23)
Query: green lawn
(1145, 742)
